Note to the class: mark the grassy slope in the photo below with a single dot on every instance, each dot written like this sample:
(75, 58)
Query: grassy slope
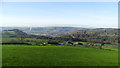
(22, 55)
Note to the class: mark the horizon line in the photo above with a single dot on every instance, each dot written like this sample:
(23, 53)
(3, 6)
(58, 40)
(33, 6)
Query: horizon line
(56, 26)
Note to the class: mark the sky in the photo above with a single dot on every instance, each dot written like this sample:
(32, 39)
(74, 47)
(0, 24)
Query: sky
(80, 14)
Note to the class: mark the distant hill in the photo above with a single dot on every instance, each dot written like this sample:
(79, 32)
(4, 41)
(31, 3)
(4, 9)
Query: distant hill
(12, 33)
(98, 31)
(58, 31)
(45, 31)
(106, 35)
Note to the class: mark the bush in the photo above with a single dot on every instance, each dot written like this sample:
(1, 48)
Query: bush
(39, 42)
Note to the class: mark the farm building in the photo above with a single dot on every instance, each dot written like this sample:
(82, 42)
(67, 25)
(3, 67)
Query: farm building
(80, 43)
(61, 44)
(69, 43)
(77, 43)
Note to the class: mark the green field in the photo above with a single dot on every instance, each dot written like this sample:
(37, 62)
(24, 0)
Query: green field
(26, 55)
(110, 35)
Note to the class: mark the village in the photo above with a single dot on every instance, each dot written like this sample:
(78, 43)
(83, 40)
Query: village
(85, 44)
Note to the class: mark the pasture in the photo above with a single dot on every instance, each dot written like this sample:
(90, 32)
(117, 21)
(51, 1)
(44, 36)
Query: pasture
(26, 55)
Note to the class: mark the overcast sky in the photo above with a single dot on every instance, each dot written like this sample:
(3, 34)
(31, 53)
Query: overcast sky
(85, 14)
